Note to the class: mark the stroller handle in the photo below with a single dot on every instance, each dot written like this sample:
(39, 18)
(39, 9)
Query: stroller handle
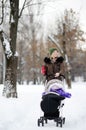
(61, 75)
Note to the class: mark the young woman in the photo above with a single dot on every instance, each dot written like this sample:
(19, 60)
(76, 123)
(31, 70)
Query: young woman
(54, 70)
(54, 66)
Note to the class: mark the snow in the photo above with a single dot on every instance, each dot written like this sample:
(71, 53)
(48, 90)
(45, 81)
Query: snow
(7, 46)
(22, 113)
(1, 28)
(12, 20)
(16, 54)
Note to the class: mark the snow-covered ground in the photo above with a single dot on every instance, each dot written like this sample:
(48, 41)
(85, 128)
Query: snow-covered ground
(22, 113)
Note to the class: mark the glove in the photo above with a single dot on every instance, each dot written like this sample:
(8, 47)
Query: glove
(43, 70)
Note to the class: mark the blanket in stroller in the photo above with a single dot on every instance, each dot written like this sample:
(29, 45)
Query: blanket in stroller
(56, 87)
(51, 98)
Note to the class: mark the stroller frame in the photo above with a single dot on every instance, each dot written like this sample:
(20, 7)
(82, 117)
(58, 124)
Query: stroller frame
(58, 120)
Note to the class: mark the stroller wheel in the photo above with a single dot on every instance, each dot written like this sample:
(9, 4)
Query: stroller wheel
(57, 123)
(61, 123)
(64, 120)
(45, 121)
(40, 121)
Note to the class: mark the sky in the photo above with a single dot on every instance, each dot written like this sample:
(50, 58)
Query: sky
(23, 113)
(54, 8)
(57, 7)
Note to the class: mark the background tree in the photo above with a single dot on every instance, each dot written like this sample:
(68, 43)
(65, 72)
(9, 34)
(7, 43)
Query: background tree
(68, 35)
(29, 31)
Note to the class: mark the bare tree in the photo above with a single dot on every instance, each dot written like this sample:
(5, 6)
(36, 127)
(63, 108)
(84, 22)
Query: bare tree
(9, 46)
(34, 30)
(68, 33)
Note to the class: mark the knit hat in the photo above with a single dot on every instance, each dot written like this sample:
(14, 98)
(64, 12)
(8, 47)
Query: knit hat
(51, 50)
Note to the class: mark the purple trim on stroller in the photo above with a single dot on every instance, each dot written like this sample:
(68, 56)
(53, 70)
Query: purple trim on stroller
(61, 92)
(58, 91)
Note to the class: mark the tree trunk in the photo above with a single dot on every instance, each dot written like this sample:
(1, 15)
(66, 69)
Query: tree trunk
(10, 77)
(68, 76)
(11, 62)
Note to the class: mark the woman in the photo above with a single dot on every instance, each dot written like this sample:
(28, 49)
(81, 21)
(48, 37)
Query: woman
(54, 70)
(54, 66)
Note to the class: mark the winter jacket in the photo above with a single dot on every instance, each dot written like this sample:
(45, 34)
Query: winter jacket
(50, 69)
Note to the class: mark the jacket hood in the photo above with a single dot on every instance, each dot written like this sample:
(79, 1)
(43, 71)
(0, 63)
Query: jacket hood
(47, 60)
(60, 59)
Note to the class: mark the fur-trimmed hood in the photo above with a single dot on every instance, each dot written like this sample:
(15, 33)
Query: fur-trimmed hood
(47, 60)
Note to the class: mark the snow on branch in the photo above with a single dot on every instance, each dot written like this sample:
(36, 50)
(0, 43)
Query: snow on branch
(1, 28)
(16, 54)
(2, 12)
(12, 20)
(6, 44)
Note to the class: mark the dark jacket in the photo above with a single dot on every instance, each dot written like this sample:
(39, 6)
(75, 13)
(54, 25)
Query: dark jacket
(53, 68)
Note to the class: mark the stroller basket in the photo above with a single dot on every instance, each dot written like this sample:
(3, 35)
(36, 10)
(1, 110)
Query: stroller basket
(51, 105)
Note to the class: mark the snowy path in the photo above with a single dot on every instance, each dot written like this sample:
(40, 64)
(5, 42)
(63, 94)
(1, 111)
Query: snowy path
(22, 113)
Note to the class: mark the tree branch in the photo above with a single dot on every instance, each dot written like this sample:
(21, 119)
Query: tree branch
(2, 12)
(22, 8)
(32, 4)
(26, 5)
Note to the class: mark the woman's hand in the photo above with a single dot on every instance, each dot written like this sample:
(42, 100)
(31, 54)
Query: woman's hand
(57, 74)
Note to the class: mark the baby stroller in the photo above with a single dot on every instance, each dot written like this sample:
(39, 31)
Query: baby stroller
(52, 104)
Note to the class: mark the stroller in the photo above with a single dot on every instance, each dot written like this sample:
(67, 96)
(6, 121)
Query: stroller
(52, 104)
